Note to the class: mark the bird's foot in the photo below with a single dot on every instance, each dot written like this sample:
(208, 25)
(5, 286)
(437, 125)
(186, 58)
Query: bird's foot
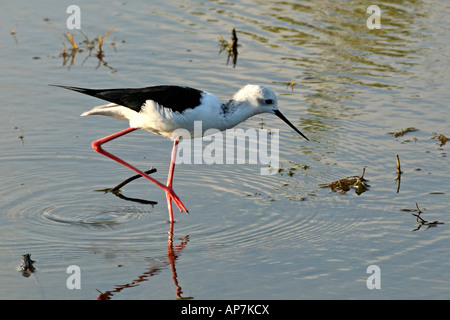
(171, 195)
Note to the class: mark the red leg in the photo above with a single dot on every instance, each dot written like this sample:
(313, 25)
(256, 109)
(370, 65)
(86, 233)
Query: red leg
(168, 189)
(170, 177)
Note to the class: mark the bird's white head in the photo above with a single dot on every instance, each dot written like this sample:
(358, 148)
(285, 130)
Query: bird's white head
(254, 99)
(257, 98)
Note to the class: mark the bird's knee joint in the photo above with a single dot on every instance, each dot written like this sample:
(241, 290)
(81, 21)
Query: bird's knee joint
(97, 145)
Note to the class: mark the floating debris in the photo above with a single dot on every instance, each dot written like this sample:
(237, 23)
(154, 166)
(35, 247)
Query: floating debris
(22, 135)
(86, 44)
(27, 266)
(398, 167)
(443, 139)
(290, 171)
(231, 48)
(399, 173)
(344, 185)
(13, 33)
(422, 221)
(417, 209)
(262, 123)
(290, 84)
(100, 42)
(69, 38)
(403, 131)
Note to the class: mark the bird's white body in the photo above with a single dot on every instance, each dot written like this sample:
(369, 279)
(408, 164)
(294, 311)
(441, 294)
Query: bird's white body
(213, 114)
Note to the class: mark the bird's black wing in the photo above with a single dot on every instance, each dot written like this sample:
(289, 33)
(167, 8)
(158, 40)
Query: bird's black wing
(176, 98)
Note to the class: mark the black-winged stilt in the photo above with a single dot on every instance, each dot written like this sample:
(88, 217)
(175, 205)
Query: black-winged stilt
(164, 109)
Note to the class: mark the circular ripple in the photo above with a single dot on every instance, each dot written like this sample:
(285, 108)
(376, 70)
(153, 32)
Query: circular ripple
(94, 218)
(57, 206)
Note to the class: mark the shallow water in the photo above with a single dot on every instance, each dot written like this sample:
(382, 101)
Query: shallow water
(248, 236)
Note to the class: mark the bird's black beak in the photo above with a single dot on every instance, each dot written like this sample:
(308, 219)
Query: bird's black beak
(282, 117)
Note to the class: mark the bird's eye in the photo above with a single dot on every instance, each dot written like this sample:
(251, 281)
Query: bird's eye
(268, 101)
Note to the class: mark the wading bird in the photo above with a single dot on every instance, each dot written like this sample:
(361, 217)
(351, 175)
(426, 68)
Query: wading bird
(164, 109)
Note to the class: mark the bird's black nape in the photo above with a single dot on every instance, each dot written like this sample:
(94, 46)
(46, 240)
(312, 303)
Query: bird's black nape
(174, 97)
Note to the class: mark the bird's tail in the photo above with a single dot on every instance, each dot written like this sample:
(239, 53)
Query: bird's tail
(111, 110)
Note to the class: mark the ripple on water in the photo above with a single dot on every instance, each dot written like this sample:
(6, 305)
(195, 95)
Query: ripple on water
(263, 216)
(59, 207)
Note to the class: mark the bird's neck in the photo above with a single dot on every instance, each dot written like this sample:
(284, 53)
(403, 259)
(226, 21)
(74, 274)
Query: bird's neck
(235, 112)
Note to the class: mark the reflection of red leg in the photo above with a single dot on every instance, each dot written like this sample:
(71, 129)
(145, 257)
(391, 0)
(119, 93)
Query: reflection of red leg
(172, 255)
(168, 189)
(170, 177)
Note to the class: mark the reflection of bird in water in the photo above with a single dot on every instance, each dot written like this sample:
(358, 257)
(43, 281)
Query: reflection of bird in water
(172, 255)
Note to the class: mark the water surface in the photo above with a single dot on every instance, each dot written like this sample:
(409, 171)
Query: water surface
(248, 236)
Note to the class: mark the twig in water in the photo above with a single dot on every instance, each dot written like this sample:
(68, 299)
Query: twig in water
(117, 192)
(230, 48)
(69, 38)
(290, 84)
(424, 222)
(120, 185)
(403, 131)
(399, 173)
(100, 41)
(116, 189)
